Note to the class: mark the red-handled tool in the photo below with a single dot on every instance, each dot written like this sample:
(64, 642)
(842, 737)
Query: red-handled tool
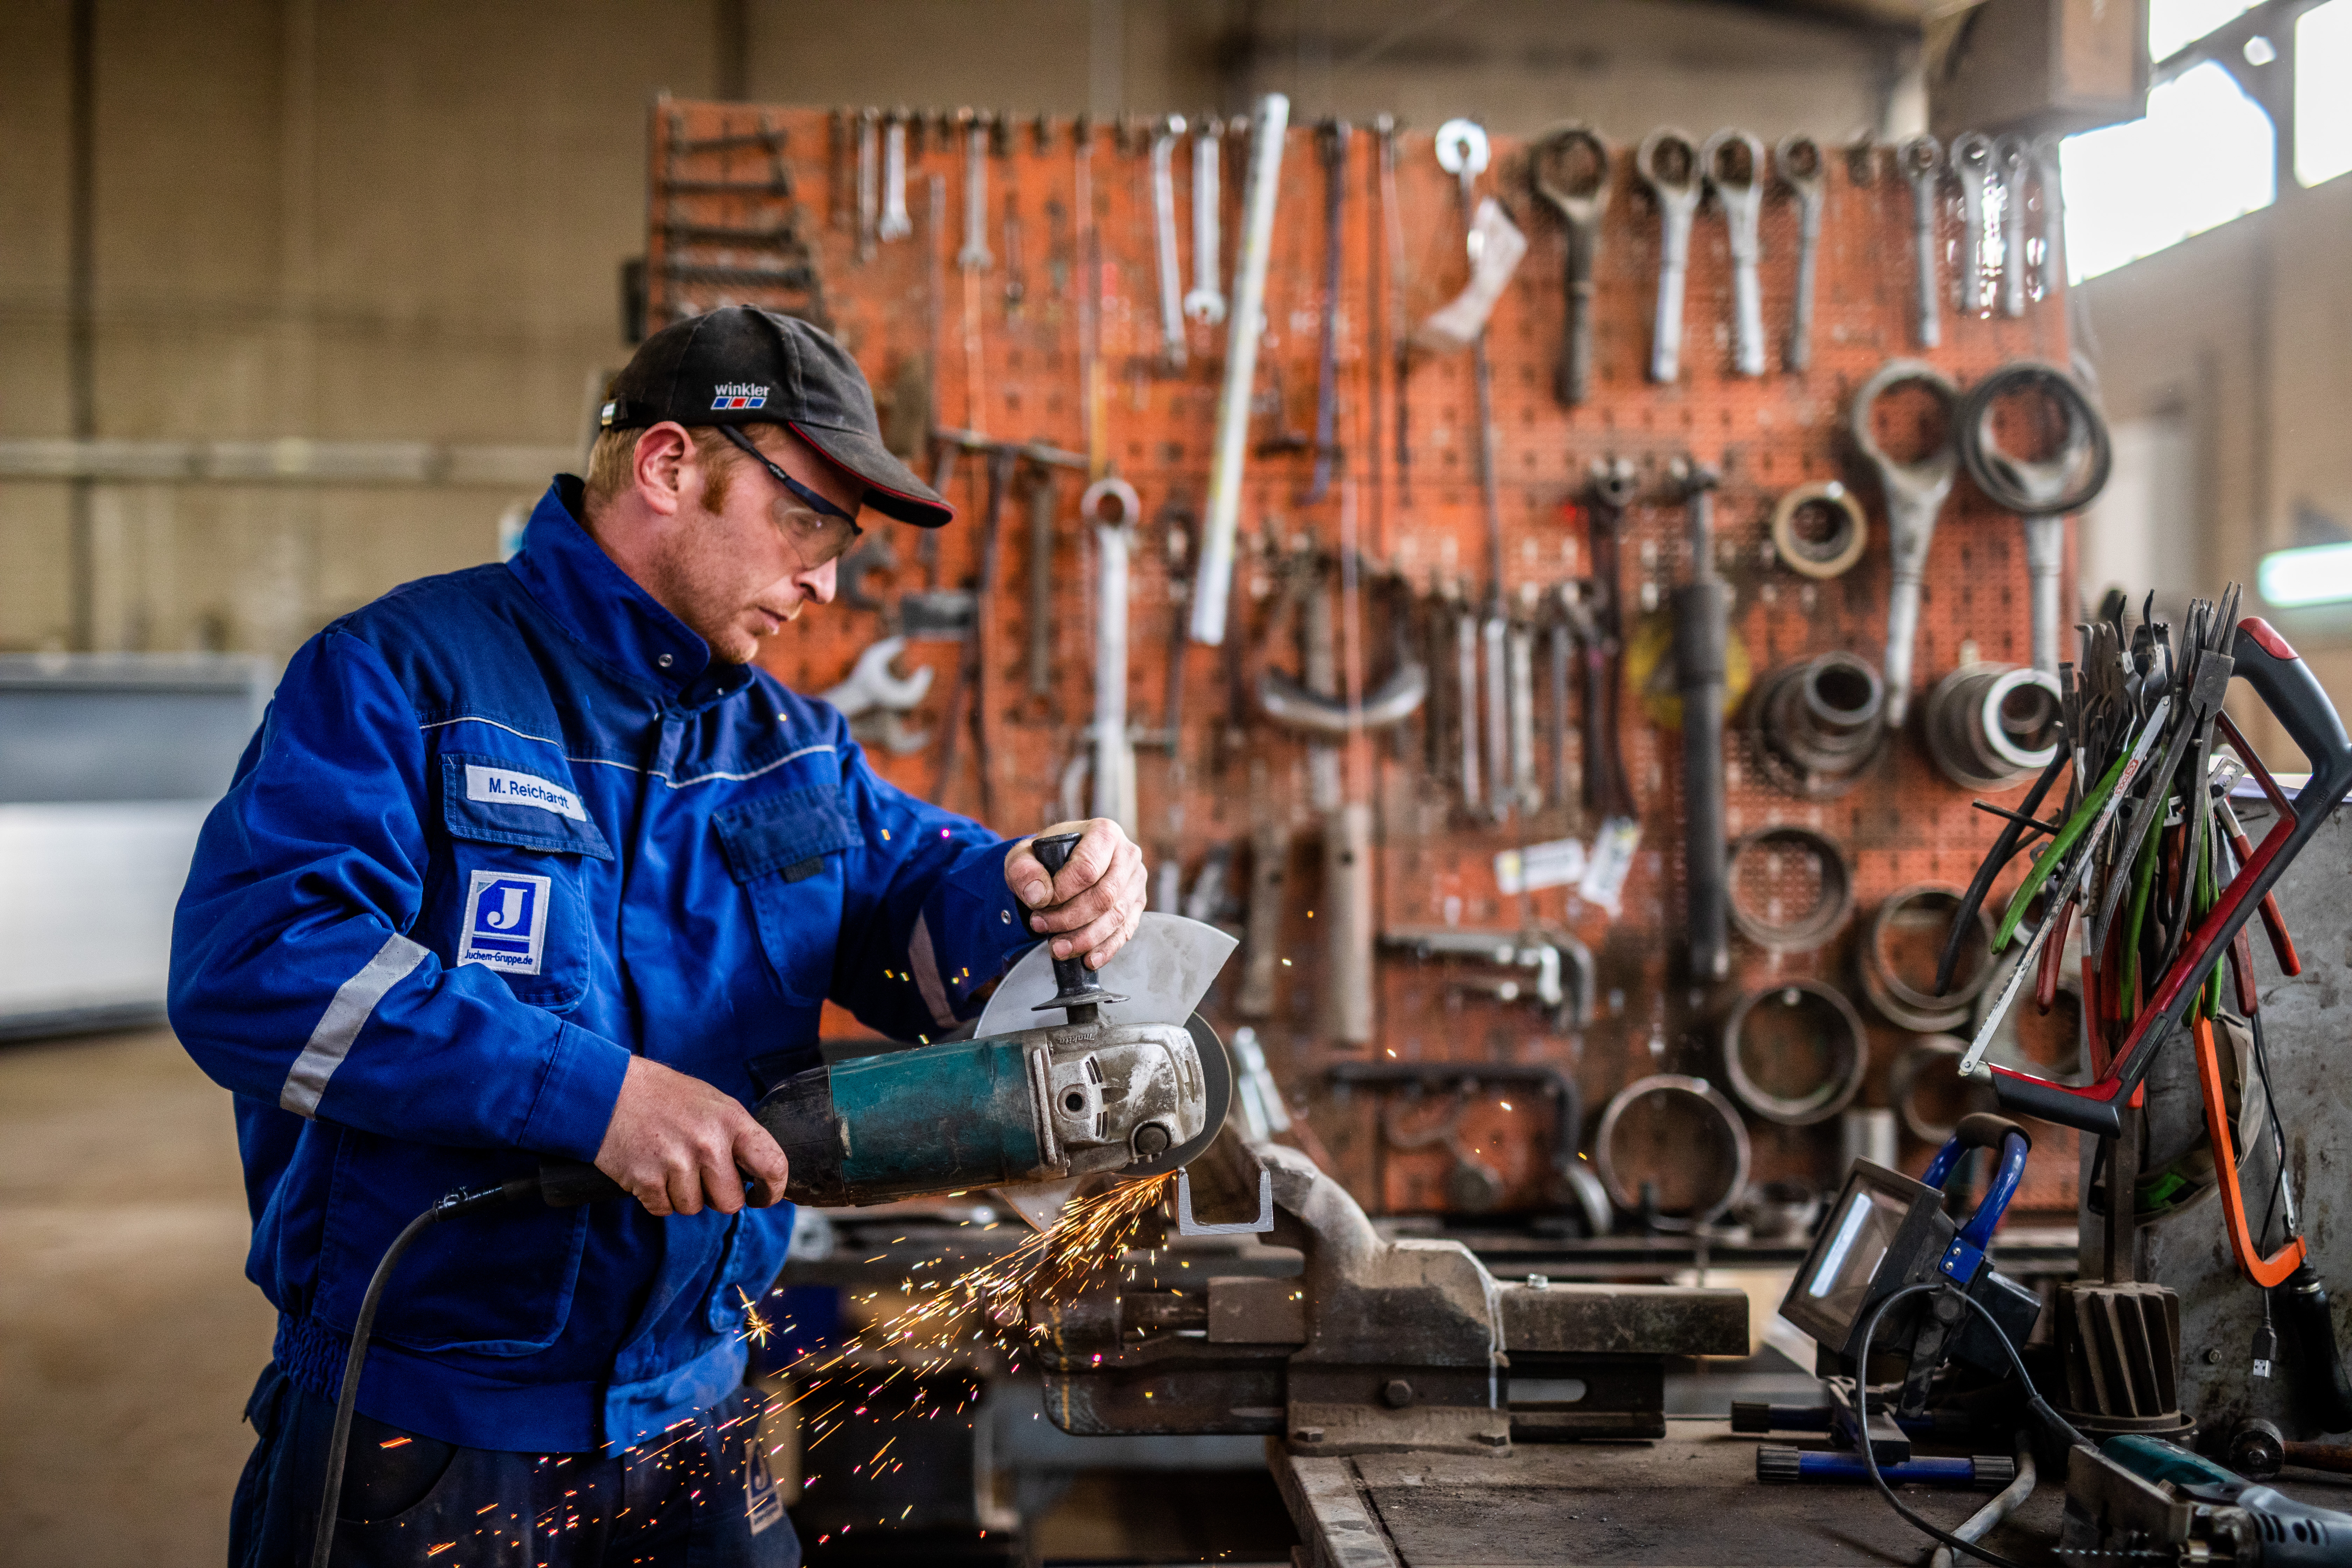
(2292, 693)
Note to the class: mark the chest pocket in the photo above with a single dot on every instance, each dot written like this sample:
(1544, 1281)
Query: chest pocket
(785, 849)
(516, 900)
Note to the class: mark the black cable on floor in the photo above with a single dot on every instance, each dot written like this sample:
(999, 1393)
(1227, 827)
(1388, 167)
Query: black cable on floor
(2033, 1400)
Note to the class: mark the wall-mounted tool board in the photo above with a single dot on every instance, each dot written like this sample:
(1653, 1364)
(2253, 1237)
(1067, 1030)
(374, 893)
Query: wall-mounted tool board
(759, 205)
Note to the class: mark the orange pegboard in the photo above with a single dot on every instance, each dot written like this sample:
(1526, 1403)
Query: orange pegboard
(761, 205)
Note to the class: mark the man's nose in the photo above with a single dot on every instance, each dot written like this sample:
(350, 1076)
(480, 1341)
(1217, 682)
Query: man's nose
(817, 585)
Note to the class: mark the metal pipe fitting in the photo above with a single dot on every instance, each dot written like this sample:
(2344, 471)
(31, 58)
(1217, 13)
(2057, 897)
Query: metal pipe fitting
(1923, 911)
(1817, 725)
(1756, 872)
(1840, 1030)
(1990, 726)
(1721, 1123)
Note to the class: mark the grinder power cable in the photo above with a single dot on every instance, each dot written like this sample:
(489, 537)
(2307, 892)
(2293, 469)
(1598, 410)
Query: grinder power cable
(1033, 1111)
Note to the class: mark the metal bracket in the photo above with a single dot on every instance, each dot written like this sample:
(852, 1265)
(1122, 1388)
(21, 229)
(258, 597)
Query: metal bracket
(1187, 1225)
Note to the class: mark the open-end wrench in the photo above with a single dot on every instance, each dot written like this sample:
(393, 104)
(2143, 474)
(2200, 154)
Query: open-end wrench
(1734, 164)
(1923, 164)
(1206, 302)
(869, 121)
(1164, 137)
(1797, 161)
(974, 255)
(1669, 165)
(1914, 493)
(1335, 137)
(1569, 167)
(1971, 158)
(2013, 158)
(896, 224)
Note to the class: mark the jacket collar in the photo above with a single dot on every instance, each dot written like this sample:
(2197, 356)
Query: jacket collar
(567, 572)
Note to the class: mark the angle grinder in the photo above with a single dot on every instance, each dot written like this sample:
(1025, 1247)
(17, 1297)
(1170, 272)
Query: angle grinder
(1096, 1094)
(1115, 1089)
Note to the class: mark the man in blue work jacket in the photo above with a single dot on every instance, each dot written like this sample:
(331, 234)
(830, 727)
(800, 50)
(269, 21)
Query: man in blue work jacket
(529, 860)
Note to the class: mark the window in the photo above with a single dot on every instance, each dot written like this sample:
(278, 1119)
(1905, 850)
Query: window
(2204, 155)
(2174, 25)
(2323, 92)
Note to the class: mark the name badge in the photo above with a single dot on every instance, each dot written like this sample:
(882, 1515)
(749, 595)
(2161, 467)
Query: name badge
(503, 787)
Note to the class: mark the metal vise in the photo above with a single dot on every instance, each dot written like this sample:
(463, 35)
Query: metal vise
(1377, 1345)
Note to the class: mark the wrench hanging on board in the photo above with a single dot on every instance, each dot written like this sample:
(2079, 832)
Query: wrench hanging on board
(1669, 164)
(1164, 137)
(1798, 163)
(2013, 158)
(1579, 193)
(1971, 159)
(1921, 160)
(974, 255)
(1206, 302)
(1734, 164)
(895, 224)
(1915, 492)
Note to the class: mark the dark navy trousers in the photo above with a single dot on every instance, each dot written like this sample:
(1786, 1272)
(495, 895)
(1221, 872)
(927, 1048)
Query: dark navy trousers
(701, 1495)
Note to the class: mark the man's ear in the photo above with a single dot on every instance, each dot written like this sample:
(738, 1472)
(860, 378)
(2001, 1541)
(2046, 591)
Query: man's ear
(664, 453)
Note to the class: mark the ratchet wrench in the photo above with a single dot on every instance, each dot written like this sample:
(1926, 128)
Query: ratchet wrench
(1669, 165)
(1206, 302)
(1915, 492)
(1580, 197)
(1163, 228)
(1797, 161)
(1734, 164)
(1923, 164)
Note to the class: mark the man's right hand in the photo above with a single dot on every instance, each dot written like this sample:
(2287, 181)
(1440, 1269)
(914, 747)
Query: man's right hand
(676, 1144)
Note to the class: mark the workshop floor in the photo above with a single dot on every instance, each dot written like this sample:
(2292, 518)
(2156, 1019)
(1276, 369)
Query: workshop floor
(128, 1336)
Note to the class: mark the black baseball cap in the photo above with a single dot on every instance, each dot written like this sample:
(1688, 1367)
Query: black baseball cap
(743, 365)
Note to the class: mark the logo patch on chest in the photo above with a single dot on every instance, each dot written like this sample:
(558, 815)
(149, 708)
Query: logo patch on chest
(506, 921)
(504, 787)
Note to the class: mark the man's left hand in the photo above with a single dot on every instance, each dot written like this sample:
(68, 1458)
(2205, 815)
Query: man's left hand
(1094, 905)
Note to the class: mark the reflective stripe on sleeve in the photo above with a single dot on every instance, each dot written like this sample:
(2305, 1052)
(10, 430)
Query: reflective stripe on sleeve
(355, 1002)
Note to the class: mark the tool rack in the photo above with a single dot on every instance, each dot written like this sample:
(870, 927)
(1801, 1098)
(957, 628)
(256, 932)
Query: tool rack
(761, 205)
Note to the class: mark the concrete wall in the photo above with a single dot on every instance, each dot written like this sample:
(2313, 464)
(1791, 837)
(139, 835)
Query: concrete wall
(2240, 334)
(364, 220)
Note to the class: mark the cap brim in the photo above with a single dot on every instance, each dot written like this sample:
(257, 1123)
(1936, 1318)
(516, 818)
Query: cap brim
(891, 488)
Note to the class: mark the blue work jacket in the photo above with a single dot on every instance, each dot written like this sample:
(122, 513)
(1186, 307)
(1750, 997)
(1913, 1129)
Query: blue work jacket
(499, 831)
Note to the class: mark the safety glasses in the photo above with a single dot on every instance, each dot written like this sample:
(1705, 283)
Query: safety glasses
(814, 501)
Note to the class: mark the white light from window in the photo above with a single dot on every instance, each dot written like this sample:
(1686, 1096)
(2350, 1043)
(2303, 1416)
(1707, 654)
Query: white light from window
(2323, 92)
(2174, 25)
(2313, 574)
(2204, 155)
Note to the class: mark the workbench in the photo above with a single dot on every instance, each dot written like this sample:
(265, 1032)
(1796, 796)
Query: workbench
(1692, 1498)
